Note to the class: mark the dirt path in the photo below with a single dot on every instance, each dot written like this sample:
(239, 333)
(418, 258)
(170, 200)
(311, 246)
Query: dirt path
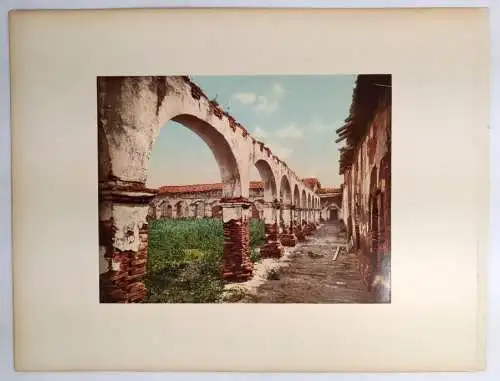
(312, 275)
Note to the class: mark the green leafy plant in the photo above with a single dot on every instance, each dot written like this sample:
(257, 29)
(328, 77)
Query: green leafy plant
(184, 257)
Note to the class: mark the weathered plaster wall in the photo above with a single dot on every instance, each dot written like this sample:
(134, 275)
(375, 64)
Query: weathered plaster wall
(366, 197)
(202, 203)
(131, 111)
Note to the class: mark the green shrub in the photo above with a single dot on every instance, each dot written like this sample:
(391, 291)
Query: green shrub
(257, 233)
(184, 257)
(254, 255)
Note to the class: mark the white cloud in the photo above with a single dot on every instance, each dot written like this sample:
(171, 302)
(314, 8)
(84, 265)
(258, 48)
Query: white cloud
(270, 141)
(262, 104)
(266, 106)
(259, 133)
(289, 132)
(278, 89)
(245, 98)
(269, 103)
(282, 152)
(265, 103)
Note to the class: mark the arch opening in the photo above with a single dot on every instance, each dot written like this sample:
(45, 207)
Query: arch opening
(296, 196)
(228, 172)
(267, 176)
(179, 209)
(285, 190)
(128, 131)
(199, 209)
(228, 167)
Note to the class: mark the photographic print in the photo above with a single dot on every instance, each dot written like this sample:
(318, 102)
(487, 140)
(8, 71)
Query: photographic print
(264, 190)
(255, 189)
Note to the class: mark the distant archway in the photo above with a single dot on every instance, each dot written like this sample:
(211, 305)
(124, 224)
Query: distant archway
(179, 209)
(267, 176)
(285, 190)
(296, 196)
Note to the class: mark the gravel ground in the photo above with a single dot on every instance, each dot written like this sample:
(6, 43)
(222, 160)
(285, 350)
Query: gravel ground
(307, 273)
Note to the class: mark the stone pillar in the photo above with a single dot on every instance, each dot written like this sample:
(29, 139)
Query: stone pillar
(313, 219)
(287, 238)
(272, 247)
(236, 266)
(297, 225)
(123, 240)
(307, 230)
(279, 219)
(287, 218)
(208, 211)
(302, 219)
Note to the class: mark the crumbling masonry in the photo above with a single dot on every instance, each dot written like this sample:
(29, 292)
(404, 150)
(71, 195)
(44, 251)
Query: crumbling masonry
(365, 163)
(131, 111)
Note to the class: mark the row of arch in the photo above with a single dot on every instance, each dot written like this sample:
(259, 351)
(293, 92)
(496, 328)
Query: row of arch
(128, 124)
(300, 197)
(131, 112)
(199, 208)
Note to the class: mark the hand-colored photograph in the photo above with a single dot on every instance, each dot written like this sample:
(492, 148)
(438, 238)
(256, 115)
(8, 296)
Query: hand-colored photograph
(244, 189)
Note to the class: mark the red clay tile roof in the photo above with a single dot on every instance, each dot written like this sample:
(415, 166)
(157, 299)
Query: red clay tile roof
(310, 182)
(256, 184)
(329, 190)
(199, 188)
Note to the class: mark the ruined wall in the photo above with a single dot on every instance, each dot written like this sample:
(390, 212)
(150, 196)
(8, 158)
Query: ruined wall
(131, 111)
(200, 204)
(367, 195)
(331, 204)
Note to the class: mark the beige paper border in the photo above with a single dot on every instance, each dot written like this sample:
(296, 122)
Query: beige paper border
(440, 65)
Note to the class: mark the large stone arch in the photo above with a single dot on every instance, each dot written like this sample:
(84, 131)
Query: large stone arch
(198, 208)
(296, 196)
(285, 190)
(180, 209)
(287, 236)
(165, 208)
(266, 174)
(133, 109)
(169, 213)
(131, 112)
(221, 149)
(298, 214)
(330, 211)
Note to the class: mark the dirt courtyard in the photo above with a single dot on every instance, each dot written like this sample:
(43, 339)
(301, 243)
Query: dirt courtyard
(309, 273)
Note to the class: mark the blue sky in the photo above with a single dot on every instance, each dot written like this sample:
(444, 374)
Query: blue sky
(296, 116)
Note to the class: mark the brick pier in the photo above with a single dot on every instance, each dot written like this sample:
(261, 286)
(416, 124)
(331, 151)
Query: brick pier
(236, 265)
